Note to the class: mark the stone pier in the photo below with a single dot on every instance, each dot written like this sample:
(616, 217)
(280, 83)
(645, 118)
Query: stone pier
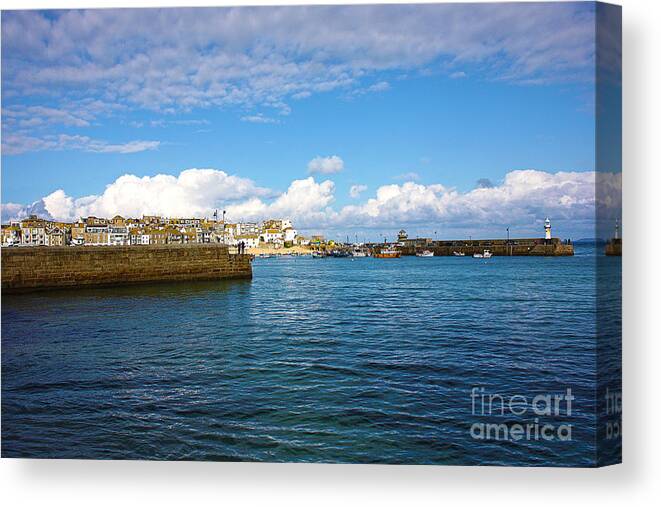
(34, 268)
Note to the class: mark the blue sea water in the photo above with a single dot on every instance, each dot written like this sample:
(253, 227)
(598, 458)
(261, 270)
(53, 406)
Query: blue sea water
(315, 360)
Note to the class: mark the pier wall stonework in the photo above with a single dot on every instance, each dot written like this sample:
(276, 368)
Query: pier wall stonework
(527, 247)
(31, 268)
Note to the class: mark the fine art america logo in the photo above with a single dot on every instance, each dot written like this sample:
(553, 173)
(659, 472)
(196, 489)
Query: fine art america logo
(538, 416)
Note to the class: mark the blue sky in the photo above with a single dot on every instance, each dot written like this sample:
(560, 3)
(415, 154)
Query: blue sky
(416, 105)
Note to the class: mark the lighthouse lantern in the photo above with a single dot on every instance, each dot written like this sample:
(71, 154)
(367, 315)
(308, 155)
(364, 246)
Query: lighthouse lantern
(547, 229)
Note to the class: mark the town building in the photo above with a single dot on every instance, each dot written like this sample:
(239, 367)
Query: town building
(95, 235)
(273, 237)
(56, 236)
(33, 231)
(11, 234)
(151, 230)
(118, 235)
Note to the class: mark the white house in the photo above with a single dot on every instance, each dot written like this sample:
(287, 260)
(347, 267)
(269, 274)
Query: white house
(273, 237)
(249, 240)
(118, 235)
(289, 234)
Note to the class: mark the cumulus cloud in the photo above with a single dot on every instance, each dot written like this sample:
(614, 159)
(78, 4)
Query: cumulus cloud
(521, 202)
(524, 198)
(326, 165)
(305, 201)
(195, 192)
(11, 211)
(14, 211)
(356, 190)
(484, 183)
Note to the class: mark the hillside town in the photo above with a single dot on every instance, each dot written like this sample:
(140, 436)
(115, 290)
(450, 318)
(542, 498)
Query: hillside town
(153, 230)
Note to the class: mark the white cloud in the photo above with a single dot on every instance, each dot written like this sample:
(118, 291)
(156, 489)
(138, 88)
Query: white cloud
(381, 86)
(356, 190)
(60, 206)
(306, 201)
(35, 116)
(11, 210)
(195, 192)
(15, 144)
(189, 122)
(326, 165)
(458, 75)
(521, 201)
(180, 59)
(259, 118)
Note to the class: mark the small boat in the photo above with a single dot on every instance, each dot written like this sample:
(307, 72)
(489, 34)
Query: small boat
(359, 253)
(485, 255)
(459, 254)
(388, 253)
(425, 253)
(318, 255)
(340, 253)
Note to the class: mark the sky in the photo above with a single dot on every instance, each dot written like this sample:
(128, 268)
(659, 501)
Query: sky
(446, 120)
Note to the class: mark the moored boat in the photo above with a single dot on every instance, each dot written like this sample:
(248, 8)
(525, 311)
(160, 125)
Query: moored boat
(425, 253)
(388, 253)
(340, 253)
(458, 254)
(484, 255)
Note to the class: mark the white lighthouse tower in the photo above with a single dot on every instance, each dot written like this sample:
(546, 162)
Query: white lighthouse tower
(547, 228)
(617, 229)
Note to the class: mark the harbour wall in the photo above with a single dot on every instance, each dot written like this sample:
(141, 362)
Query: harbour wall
(34, 268)
(527, 246)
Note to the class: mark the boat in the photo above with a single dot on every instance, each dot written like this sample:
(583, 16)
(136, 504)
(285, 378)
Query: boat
(459, 254)
(485, 255)
(340, 253)
(318, 255)
(359, 253)
(425, 253)
(388, 253)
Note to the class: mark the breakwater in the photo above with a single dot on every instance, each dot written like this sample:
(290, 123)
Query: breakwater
(527, 246)
(33, 268)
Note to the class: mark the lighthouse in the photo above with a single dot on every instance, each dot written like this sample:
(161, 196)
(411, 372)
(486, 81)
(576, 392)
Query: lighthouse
(547, 229)
(617, 229)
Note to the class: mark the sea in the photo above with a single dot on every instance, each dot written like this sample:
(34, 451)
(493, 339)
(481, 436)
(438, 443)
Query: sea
(442, 360)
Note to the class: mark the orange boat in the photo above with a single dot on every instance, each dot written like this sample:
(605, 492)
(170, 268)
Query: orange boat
(388, 253)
